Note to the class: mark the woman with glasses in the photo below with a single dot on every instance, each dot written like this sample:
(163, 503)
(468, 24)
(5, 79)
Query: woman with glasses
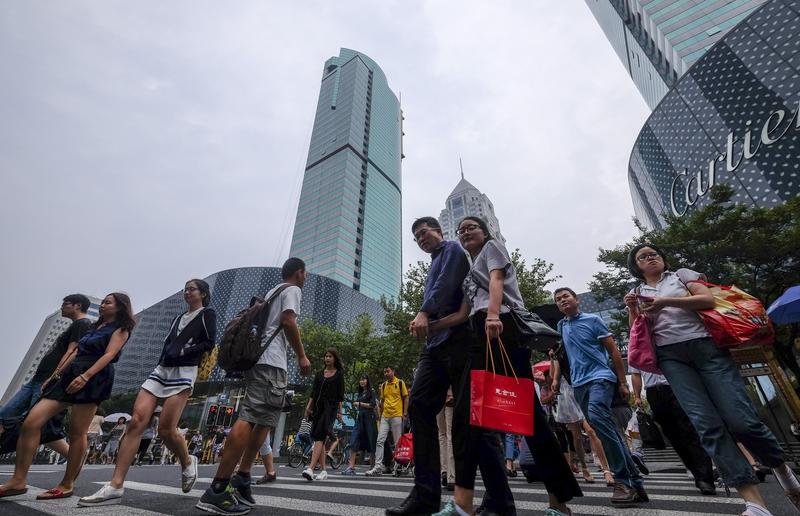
(190, 335)
(704, 378)
(490, 288)
(86, 380)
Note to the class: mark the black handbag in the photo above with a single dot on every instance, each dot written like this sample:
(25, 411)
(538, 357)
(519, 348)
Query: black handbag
(533, 331)
(648, 430)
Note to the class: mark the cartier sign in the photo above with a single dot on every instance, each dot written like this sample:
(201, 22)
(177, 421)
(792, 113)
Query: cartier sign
(738, 149)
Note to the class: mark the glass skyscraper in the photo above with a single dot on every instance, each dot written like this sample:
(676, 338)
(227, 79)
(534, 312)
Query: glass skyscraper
(465, 200)
(348, 225)
(658, 40)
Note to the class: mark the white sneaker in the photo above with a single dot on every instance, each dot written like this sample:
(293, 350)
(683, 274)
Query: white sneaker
(308, 474)
(189, 474)
(107, 495)
(322, 475)
(375, 472)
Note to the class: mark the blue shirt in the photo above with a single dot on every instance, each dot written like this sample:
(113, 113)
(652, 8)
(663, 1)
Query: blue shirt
(443, 294)
(588, 358)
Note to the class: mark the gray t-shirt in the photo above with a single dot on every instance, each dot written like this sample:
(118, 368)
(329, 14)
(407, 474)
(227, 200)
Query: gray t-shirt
(287, 301)
(492, 257)
(671, 324)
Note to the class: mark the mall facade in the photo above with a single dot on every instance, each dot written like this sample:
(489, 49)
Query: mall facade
(731, 119)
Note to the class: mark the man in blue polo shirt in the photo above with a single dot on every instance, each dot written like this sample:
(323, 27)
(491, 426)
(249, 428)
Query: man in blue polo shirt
(588, 344)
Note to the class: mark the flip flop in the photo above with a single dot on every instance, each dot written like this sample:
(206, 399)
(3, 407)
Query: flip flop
(53, 494)
(12, 492)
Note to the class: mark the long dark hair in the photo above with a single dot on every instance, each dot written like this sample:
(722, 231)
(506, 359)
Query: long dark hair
(361, 389)
(337, 362)
(124, 316)
(204, 289)
(633, 266)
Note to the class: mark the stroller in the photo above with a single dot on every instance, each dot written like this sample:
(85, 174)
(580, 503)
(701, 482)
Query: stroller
(404, 456)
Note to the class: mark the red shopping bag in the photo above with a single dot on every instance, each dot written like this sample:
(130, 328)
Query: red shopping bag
(737, 318)
(404, 453)
(499, 402)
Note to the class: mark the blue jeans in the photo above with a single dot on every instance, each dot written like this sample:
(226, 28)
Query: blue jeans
(512, 452)
(19, 404)
(707, 383)
(595, 401)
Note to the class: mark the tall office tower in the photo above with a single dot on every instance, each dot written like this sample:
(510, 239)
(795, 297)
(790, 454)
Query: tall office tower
(348, 225)
(465, 200)
(53, 326)
(658, 40)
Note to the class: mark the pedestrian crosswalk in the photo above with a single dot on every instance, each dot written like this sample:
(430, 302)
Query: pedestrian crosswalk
(155, 490)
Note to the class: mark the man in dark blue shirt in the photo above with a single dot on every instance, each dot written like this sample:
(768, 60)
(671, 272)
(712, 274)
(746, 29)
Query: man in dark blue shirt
(442, 360)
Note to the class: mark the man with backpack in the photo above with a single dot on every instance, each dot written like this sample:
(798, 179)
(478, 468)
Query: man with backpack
(256, 342)
(393, 407)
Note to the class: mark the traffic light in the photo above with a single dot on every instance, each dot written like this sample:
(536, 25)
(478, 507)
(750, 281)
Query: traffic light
(228, 417)
(211, 420)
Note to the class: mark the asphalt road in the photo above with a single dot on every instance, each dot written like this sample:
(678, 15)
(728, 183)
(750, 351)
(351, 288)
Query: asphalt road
(152, 490)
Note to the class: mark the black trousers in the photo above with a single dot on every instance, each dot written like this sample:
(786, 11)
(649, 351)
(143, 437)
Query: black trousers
(676, 425)
(471, 443)
(437, 369)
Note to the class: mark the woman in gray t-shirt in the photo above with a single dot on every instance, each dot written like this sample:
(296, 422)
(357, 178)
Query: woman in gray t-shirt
(490, 289)
(704, 378)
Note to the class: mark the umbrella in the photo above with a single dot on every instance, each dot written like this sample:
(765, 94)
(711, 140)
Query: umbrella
(786, 309)
(113, 418)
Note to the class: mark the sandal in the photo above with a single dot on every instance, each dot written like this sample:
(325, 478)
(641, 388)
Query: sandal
(54, 494)
(12, 492)
(609, 478)
(587, 476)
(269, 477)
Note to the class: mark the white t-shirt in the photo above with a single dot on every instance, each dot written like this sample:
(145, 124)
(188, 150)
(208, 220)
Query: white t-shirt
(287, 301)
(187, 318)
(649, 379)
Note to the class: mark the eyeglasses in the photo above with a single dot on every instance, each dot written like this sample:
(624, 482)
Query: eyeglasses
(648, 256)
(67, 303)
(190, 289)
(465, 229)
(421, 233)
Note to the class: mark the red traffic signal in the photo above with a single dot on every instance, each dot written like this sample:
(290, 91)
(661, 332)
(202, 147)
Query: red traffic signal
(212, 409)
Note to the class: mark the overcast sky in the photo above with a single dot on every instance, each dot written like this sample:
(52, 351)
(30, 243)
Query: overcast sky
(145, 143)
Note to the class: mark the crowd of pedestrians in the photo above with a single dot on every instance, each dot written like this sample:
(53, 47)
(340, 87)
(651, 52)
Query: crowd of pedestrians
(468, 322)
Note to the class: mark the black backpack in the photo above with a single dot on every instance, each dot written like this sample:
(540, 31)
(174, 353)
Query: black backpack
(241, 346)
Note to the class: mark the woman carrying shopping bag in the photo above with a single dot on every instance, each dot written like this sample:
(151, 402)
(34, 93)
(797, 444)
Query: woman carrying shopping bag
(491, 288)
(704, 378)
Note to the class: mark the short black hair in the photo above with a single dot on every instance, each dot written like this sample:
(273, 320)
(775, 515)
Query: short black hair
(291, 266)
(431, 222)
(389, 367)
(633, 266)
(563, 289)
(204, 289)
(79, 299)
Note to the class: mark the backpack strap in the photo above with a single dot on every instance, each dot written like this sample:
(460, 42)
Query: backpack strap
(264, 315)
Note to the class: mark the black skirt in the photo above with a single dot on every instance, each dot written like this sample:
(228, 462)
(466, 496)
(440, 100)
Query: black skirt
(97, 390)
(322, 424)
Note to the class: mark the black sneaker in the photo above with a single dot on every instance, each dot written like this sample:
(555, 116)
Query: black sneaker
(640, 464)
(221, 503)
(242, 490)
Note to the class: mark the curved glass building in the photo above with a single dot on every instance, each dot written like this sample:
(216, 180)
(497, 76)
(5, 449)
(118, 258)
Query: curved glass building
(324, 300)
(731, 118)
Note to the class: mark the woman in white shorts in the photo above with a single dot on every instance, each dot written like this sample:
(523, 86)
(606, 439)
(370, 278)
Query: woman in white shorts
(190, 335)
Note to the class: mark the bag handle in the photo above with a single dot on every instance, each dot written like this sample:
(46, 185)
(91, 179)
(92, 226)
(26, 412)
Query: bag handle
(504, 358)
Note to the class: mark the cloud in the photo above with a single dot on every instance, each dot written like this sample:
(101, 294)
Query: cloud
(147, 143)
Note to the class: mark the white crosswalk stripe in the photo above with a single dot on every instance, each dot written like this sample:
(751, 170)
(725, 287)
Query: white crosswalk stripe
(671, 494)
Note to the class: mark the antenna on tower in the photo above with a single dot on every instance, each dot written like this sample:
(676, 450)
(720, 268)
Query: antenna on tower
(461, 165)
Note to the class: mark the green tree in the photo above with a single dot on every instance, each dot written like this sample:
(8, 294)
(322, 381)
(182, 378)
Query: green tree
(533, 279)
(754, 248)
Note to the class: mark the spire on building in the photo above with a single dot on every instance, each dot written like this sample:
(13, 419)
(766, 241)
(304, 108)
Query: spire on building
(466, 200)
